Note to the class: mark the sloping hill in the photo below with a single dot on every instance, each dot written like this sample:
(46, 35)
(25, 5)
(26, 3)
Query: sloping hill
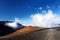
(20, 32)
(7, 29)
(34, 33)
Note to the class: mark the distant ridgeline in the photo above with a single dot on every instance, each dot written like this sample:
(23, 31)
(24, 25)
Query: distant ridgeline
(5, 29)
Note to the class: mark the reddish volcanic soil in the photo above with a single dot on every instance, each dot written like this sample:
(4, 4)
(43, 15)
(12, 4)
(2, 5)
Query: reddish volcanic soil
(34, 33)
(20, 32)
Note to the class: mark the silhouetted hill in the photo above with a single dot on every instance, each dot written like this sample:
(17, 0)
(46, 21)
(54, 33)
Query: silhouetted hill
(5, 29)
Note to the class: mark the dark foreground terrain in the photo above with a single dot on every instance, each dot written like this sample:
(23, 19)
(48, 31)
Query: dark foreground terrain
(30, 33)
(6, 29)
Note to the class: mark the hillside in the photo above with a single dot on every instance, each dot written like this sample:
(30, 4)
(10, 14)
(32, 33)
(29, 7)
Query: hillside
(20, 32)
(34, 33)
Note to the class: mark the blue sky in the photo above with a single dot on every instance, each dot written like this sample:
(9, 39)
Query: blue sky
(9, 9)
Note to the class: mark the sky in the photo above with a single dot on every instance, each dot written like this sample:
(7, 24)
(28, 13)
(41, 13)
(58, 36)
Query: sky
(9, 9)
(31, 12)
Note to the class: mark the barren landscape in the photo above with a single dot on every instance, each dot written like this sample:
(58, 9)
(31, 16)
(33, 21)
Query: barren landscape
(34, 33)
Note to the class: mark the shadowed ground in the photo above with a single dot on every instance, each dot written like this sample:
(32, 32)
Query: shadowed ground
(35, 34)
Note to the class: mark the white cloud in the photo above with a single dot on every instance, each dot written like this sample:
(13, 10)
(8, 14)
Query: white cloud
(13, 24)
(40, 8)
(48, 6)
(46, 20)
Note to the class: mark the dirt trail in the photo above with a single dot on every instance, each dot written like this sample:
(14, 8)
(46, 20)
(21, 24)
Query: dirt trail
(51, 35)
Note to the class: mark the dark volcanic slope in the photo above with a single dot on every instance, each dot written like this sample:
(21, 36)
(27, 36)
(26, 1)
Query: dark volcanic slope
(40, 34)
(5, 29)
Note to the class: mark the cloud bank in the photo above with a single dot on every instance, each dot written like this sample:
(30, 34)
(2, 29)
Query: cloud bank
(47, 20)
